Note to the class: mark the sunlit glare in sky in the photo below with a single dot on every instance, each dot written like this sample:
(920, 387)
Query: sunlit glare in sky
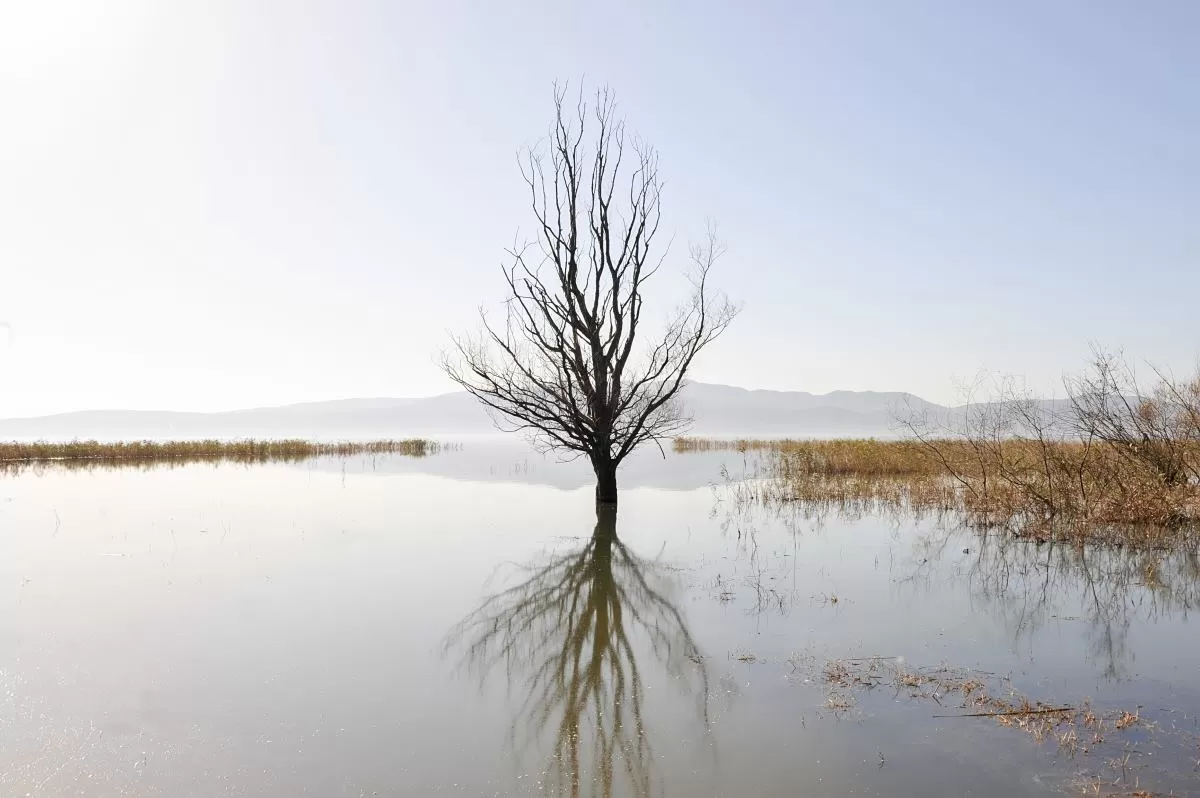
(212, 205)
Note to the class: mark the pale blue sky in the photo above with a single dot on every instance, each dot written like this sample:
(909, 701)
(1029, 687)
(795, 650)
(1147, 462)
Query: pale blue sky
(210, 205)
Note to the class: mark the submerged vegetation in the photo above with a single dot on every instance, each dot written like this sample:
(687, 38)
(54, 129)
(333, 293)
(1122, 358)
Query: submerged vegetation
(1102, 741)
(76, 454)
(962, 693)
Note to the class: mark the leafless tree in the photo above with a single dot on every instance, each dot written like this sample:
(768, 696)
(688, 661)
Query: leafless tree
(572, 363)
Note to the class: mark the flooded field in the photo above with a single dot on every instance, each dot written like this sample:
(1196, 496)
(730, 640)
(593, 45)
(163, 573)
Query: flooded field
(465, 624)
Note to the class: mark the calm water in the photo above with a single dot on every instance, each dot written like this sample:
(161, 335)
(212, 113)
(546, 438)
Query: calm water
(464, 624)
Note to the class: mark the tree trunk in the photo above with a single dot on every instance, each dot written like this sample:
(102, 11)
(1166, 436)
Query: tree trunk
(606, 481)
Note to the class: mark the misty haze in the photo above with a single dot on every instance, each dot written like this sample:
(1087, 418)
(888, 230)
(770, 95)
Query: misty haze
(609, 401)
(717, 410)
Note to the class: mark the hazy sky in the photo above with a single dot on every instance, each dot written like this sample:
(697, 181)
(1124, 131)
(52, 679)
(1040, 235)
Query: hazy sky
(210, 205)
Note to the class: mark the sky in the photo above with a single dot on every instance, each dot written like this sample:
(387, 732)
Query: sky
(213, 205)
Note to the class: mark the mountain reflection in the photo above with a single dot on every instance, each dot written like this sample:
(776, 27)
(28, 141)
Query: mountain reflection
(571, 639)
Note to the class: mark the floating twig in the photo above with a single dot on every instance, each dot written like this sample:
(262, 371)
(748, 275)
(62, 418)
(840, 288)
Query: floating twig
(1046, 711)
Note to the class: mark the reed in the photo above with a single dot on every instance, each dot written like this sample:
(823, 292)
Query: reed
(17, 455)
(1044, 488)
(852, 456)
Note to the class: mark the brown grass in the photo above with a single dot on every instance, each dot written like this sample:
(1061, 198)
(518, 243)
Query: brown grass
(839, 457)
(1039, 488)
(82, 454)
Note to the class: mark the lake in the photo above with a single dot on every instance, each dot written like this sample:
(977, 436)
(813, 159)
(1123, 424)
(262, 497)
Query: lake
(465, 624)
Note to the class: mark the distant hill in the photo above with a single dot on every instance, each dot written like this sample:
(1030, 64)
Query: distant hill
(718, 410)
(725, 410)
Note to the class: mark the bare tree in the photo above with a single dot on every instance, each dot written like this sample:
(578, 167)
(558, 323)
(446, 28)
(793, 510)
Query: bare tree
(571, 363)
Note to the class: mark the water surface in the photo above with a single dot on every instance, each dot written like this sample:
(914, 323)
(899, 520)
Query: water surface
(465, 624)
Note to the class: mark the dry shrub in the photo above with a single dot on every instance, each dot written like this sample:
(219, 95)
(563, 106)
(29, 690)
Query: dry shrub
(1114, 454)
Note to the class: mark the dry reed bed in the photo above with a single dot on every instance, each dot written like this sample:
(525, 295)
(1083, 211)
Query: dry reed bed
(857, 456)
(1040, 488)
(70, 454)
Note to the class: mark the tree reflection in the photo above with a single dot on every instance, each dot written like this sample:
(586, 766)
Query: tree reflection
(568, 638)
(1107, 587)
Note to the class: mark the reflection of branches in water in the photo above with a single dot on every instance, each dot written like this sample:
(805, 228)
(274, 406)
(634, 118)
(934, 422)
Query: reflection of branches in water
(1027, 581)
(741, 512)
(764, 575)
(565, 638)
(1027, 584)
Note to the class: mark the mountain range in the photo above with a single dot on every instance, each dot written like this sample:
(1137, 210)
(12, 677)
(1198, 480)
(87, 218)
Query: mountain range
(717, 409)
